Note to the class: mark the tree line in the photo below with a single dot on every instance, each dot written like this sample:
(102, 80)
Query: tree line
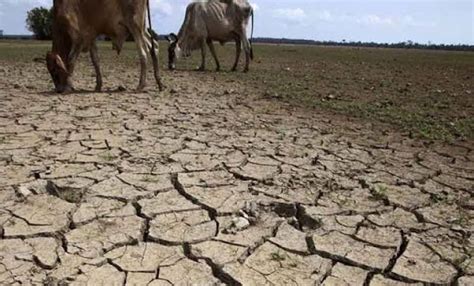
(39, 21)
(402, 45)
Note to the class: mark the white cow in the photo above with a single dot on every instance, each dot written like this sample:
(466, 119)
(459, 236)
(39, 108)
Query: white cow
(213, 20)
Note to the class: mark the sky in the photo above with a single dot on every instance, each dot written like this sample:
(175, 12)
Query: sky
(388, 21)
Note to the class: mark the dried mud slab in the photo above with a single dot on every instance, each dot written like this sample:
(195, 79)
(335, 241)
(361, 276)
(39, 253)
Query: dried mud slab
(213, 184)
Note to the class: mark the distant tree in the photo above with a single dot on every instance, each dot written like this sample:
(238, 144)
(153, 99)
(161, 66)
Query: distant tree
(39, 21)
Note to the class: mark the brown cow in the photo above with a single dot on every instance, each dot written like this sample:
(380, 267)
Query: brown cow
(77, 24)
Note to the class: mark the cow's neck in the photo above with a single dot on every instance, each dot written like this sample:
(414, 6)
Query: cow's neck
(62, 46)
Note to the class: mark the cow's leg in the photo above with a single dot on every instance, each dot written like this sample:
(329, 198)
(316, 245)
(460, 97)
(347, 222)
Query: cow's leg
(238, 50)
(139, 37)
(214, 55)
(71, 64)
(143, 60)
(247, 47)
(95, 61)
(154, 56)
(203, 56)
(246, 44)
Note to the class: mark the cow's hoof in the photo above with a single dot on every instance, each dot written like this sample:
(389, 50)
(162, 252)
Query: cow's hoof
(246, 70)
(66, 90)
(218, 69)
(234, 69)
(98, 88)
(201, 69)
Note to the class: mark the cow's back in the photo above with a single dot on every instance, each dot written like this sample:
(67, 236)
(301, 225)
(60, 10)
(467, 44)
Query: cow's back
(86, 19)
(208, 19)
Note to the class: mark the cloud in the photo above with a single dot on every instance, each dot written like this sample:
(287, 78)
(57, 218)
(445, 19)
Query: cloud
(324, 15)
(30, 3)
(375, 20)
(296, 15)
(161, 7)
(255, 6)
(404, 21)
(412, 22)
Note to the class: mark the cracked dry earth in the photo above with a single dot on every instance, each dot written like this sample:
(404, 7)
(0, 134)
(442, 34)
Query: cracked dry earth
(211, 185)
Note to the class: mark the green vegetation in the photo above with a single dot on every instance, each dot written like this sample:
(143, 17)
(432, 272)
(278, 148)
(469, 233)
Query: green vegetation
(107, 156)
(39, 21)
(379, 193)
(427, 94)
(150, 179)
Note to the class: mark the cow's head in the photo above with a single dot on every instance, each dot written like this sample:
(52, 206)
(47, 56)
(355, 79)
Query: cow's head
(173, 50)
(59, 73)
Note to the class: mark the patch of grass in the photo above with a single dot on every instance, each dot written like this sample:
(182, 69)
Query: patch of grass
(438, 198)
(150, 179)
(429, 94)
(463, 218)
(107, 156)
(379, 193)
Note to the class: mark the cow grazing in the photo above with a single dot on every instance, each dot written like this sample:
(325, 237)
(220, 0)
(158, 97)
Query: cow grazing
(213, 20)
(77, 24)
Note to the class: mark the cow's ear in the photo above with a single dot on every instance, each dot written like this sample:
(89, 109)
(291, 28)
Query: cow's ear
(59, 62)
(54, 61)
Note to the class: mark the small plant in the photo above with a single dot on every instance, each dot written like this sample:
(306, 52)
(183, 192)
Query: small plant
(107, 156)
(150, 179)
(438, 198)
(463, 219)
(277, 256)
(379, 193)
(462, 262)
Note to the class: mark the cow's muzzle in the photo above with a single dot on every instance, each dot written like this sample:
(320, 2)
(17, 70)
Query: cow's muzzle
(64, 89)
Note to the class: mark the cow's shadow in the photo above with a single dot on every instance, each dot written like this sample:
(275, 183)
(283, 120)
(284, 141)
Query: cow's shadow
(85, 91)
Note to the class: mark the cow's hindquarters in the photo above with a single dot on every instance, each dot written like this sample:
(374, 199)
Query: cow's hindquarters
(238, 51)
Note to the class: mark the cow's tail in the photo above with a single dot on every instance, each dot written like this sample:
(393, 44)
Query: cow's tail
(150, 28)
(251, 35)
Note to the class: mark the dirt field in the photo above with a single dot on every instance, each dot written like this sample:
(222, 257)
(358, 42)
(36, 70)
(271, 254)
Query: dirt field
(321, 166)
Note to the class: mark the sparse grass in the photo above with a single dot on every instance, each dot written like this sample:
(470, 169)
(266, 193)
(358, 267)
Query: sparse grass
(438, 198)
(426, 93)
(107, 156)
(379, 193)
(463, 218)
(150, 179)
(429, 94)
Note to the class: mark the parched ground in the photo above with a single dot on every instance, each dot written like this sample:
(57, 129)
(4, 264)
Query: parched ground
(213, 183)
